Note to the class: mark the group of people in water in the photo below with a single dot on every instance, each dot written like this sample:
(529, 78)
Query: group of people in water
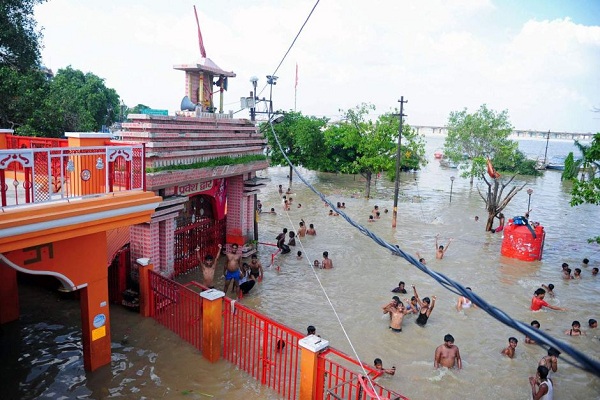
(245, 275)
(448, 355)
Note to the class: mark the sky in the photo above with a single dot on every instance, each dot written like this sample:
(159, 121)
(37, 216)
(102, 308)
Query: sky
(538, 59)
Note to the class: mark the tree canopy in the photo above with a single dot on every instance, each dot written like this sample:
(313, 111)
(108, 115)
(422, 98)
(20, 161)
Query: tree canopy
(70, 102)
(19, 39)
(472, 140)
(587, 191)
(355, 145)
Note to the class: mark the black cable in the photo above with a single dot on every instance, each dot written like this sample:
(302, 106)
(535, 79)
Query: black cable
(582, 361)
(291, 45)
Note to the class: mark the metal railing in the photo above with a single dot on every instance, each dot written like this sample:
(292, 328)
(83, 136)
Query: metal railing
(340, 378)
(262, 347)
(40, 175)
(265, 349)
(30, 142)
(177, 307)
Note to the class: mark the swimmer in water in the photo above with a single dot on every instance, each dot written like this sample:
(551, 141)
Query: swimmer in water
(447, 354)
(463, 303)
(440, 251)
(510, 350)
(536, 325)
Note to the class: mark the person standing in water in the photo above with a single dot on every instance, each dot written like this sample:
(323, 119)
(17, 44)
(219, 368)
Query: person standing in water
(208, 266)
(397, 312)
(447, 354)
(426, 308)
(232, 269)
(440, 251)
(326, 263)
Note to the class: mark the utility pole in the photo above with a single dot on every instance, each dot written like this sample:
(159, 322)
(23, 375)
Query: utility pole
(398, 155)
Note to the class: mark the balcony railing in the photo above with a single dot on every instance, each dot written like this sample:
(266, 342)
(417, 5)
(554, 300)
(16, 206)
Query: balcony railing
(41, 175)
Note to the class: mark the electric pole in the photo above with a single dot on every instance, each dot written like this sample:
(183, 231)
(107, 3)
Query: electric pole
(398, 155)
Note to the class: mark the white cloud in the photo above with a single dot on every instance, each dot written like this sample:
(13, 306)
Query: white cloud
(440, 55)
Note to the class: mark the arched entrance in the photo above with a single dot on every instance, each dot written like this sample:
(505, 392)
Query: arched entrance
(197, 227)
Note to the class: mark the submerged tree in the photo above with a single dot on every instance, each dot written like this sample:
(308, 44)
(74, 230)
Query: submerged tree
(473, 141)
(301, 138)
(494, 202)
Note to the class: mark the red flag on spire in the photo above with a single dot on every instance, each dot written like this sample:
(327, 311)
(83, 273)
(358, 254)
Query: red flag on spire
(296, 85)
(200, 41)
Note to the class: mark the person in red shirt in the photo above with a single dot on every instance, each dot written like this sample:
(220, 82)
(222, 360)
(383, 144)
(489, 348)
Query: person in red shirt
(537, 302)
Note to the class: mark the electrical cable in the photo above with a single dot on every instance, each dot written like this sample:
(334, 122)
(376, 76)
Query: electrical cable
(582, 361)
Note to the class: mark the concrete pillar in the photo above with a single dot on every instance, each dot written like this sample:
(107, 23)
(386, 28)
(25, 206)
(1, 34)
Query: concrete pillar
(3, 140)
(95, 325)
(212, 324)
(146, 298)
(145, 242)
(311, 387)
(9, 295)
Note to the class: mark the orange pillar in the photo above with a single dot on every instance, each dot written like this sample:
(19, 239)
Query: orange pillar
(3, 141)
(95, 325)
(212, 326)
(309, 357)
(146, 300)
(9, 295)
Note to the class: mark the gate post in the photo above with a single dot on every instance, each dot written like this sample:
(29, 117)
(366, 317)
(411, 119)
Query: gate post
(146, 307)
(212, 323)
(309, 356)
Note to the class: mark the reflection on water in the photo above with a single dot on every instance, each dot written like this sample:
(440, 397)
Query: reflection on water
(43, 358)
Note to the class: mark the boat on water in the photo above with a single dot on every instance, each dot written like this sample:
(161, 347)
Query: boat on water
(439, 153)
(556, 163)
(447, 163)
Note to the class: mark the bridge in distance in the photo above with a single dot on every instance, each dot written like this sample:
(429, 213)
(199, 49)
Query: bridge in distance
(524, 133)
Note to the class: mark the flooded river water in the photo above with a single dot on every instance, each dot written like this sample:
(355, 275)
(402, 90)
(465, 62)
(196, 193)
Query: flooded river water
(150, 362)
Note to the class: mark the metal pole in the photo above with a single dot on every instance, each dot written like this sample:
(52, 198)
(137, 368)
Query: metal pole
(451, 186)
(529, 193)
(398, 155)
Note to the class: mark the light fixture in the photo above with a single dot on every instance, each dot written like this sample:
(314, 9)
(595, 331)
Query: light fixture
(99, 163)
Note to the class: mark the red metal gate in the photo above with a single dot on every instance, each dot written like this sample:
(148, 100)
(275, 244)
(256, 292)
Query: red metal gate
(264, 348)
(176, 307)
(204, 234)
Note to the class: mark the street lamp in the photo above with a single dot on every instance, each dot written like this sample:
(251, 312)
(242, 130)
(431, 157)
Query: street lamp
(529, 193)
(451, 186)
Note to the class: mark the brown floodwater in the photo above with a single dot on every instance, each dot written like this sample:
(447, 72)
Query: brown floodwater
(41, 353)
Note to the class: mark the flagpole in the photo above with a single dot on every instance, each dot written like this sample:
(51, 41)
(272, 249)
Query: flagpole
(296, 88)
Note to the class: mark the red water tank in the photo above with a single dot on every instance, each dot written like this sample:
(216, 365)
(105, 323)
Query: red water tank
(519, 241)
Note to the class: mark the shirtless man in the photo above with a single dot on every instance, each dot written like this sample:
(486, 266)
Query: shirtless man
(311, 230)
(551, 360)
(397, 312)
(447, 354)
(302, 229)
(256, 269)
(440, 251)
(510, 350)
(326, 263)
(208, 266)
(232, 269)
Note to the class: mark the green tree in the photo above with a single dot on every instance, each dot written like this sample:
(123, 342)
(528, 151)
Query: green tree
(19, 39)
(587, 191)
(473, 141)
(76, 102)
(358, 145)
(473, 138)
(22, 95)
(301, 138)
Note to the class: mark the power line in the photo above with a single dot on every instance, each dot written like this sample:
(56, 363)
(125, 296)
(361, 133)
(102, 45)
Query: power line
(581, 360)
